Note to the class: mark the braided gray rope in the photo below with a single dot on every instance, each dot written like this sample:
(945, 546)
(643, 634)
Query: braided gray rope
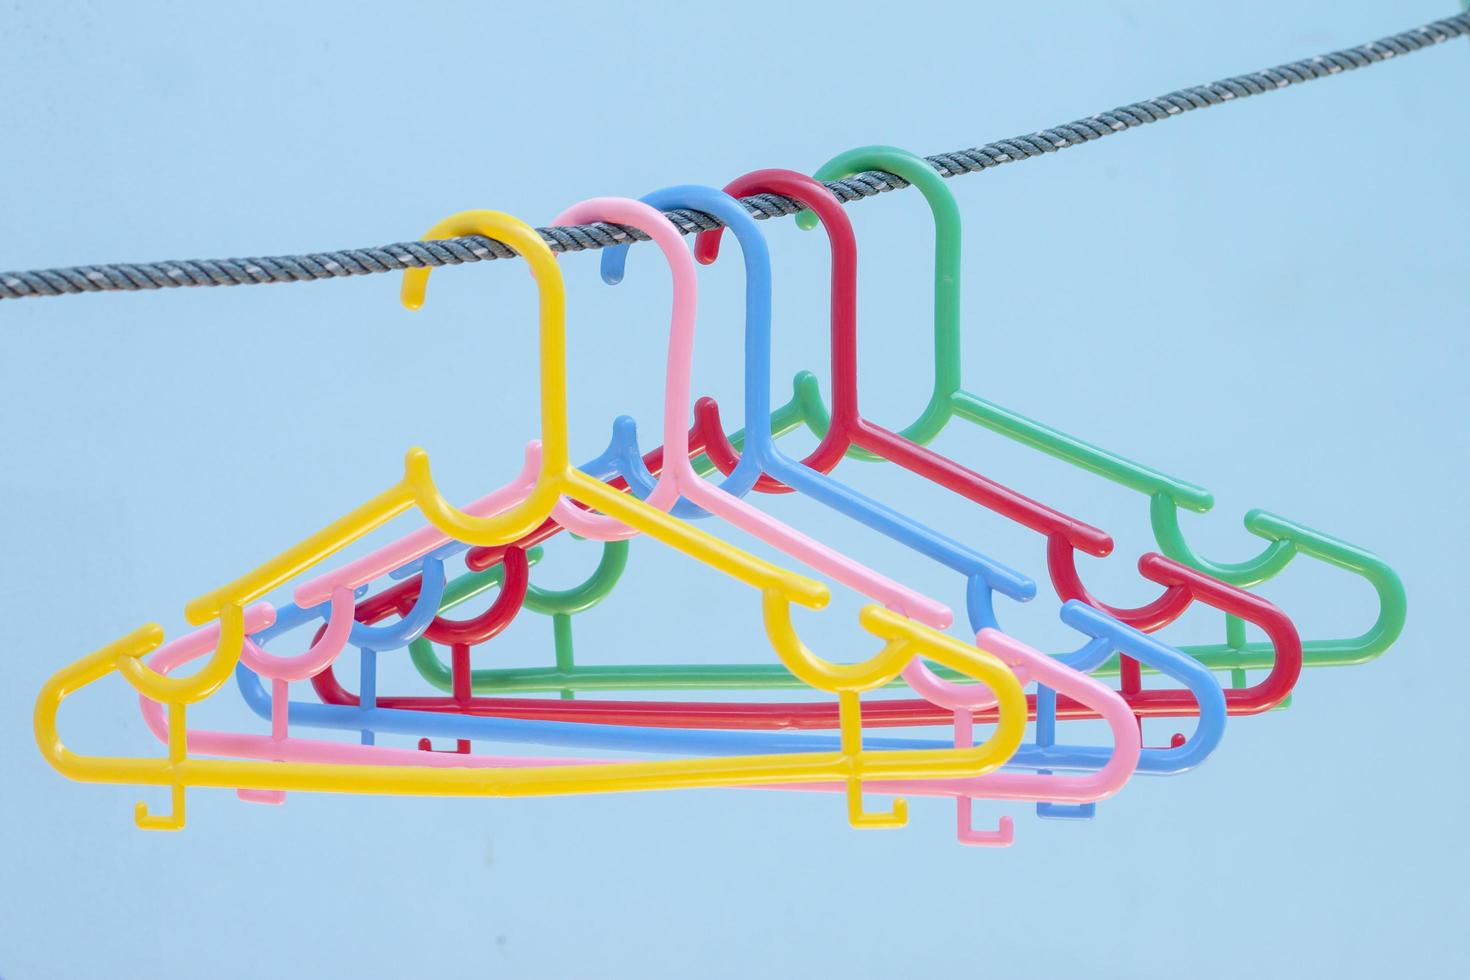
(576, 238)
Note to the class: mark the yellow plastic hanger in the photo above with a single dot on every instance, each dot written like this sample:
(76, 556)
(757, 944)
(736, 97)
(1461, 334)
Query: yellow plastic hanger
(903, 638)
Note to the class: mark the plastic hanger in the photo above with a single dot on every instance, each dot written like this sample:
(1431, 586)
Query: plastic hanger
(903, 639)
(1167, 495)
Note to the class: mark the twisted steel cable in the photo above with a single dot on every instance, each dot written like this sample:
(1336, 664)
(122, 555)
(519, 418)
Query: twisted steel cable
(575, 238)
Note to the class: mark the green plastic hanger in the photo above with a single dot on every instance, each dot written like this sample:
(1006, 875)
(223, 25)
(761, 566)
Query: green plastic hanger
(949, 400)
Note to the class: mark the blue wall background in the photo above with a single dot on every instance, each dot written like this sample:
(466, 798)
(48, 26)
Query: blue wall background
(1268, 299)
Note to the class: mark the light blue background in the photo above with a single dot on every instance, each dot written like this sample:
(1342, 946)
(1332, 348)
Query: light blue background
(1269, 299)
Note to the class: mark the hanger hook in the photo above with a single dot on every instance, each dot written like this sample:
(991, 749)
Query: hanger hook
(833, 429)
(678, 365)
(555, 459)
(947, 241)
(1004, 835)
(757, 374)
